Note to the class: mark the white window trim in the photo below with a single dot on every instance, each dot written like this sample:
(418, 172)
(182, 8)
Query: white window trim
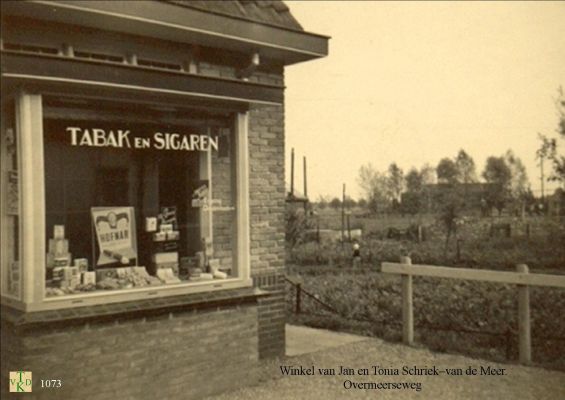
(29, 120)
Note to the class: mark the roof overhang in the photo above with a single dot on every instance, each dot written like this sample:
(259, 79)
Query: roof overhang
(178, 24)
(54, 73)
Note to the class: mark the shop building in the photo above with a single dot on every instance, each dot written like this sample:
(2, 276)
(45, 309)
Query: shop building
(142, 190)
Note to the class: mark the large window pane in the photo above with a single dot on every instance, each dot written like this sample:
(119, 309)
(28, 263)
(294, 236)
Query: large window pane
(137, 202)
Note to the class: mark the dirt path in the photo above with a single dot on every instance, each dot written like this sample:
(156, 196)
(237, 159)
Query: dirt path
(518, 382)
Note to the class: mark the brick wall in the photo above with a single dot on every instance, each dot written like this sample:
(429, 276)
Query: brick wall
(176, 355)
(267, 202)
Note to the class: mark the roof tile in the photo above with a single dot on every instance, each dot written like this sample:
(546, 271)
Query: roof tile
(271, 12)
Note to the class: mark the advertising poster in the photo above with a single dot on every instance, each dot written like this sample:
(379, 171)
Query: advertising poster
(115, 232)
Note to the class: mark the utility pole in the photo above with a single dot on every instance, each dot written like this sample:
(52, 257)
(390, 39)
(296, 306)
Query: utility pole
(306, 201)
(305, 181)
(292, 172)
(542, 179)
(343, 217)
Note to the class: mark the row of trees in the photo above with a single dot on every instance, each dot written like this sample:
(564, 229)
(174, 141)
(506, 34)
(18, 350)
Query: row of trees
(505, 175)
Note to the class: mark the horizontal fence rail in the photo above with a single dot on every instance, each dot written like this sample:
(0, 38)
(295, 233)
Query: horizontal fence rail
(516, 278)
(522, 278)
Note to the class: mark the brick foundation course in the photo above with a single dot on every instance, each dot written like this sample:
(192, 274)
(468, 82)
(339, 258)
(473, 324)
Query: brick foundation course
(172, 355)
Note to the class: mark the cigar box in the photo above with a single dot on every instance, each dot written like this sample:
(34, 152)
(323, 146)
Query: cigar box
(62, 261)
(105, 273)
(169, 257)
(173, 266)
(165, 247)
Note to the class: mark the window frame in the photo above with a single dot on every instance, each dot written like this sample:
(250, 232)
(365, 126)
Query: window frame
(29, 129)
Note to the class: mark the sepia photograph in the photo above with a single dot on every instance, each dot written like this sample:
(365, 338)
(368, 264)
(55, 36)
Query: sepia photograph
(267, 199)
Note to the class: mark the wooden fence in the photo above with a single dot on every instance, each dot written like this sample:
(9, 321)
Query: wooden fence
(521, 277)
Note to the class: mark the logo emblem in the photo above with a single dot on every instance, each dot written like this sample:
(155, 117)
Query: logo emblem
(20, 381)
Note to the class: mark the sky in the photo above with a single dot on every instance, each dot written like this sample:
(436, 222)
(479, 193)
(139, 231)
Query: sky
(414, 82)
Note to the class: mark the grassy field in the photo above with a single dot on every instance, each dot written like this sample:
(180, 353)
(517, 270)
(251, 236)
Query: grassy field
(474, 318)
(542, 250)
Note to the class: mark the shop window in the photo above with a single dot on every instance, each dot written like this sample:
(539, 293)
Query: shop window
(10, 213)
(148, 204)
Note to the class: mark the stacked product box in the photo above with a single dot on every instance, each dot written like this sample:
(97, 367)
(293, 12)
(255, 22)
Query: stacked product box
(58, 250)
(166, 260)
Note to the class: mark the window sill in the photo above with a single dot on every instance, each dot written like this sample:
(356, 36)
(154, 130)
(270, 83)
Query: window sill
(132, 309)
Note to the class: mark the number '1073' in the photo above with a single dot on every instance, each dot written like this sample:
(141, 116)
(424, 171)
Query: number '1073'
(51, 383)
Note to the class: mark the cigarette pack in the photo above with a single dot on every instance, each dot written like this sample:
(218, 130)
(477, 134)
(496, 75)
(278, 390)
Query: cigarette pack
(88, 278)
(150, 224)
(173, 235)
(195, 273)
(159, 236)
(166, 228)
(214, 264)
(81, 264)
(58, 273)
(59, 232)
(58, 247)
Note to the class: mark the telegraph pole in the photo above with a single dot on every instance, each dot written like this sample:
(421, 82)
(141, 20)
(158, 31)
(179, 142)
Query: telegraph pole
(343, 217)
(542, 180)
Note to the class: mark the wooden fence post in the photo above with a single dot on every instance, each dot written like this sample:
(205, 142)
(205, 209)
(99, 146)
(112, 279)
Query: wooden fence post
(407, 305)
(524, 328)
